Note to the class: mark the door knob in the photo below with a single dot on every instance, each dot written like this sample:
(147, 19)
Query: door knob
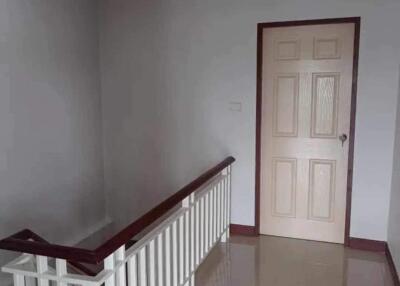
(343, 138)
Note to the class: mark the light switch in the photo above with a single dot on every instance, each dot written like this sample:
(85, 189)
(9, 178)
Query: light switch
(235, 106)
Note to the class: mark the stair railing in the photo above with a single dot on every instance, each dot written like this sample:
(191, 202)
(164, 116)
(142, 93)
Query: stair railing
(167, 255)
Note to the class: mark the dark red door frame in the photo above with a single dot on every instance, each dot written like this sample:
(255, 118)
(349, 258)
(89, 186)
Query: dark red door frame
(260, 27)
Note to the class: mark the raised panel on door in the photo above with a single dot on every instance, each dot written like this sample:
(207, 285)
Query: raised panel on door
(322, 190)
(284, 172)
(287, 49)
(324, 104)
(285, 101)
(326, 48)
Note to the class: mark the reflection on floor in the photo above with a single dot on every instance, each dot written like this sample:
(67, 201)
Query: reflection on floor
(276, 261)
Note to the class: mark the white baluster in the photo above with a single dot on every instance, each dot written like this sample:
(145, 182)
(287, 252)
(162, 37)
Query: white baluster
(160, 261)
(19, 280)
(167, 257)
(175, 268)
(192, 280)
(132, 271)
(142, 267)
(225, 213)
(218, 209)
(42, 267)
(192, 237)
(188, 240)
(181, 249)
(151, 266)
(197, 235)
(215, 218)
(217, 214)
(193, 240)
(211, 216)
(61, 269)
(207, 223)
(120, 273)
(227, 172)
(201, 229)
(109, 264)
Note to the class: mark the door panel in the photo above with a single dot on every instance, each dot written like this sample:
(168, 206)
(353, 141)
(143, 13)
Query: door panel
(321, 190)
(286, 105)
(324, 105)
(284, 187)
(306, 90)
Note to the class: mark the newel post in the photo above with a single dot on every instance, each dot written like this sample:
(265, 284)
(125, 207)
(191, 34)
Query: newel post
(227, 201)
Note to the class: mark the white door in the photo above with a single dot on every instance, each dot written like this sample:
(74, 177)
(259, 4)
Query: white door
(306, 96)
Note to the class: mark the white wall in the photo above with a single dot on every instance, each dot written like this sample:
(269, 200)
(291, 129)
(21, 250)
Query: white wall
(51, 170)
(170, 69)
(394, 213)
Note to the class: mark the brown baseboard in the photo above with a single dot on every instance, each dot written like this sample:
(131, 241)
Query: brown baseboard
(367, 244)
(247, 230)
(392, 267)
(377, 246)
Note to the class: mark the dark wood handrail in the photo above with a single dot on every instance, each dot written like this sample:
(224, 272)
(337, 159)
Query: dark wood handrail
(27, 234)
(20, 243)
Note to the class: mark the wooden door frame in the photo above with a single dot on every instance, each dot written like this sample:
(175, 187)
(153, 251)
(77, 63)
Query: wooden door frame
(260, 28)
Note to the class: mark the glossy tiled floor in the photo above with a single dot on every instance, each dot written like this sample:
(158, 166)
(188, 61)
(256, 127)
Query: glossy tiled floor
(275, 261)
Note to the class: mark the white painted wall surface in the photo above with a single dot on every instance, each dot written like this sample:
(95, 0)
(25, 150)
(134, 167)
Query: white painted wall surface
(50, 129)
(170, 69)
(394, 213)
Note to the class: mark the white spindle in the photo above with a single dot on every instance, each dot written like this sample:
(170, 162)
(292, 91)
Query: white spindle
(155, 261)
(160, 261)
(168, 256)
(224, 209)
(207, 223)
(217, 210)
(120, 273)
(42, 267)
(19, 280)
(216, 207)
(212, 214)
(132, 271)
(225, 203)
(197, 235)
(202, 225)
(192, 238)
(181, 249)
(151, 263)
(175, 267)
(109, 264)
(61, 269)
(212, 219)
(192, 280)
(142, 267)
(215, 215)
(187, 239)
(221, 208)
